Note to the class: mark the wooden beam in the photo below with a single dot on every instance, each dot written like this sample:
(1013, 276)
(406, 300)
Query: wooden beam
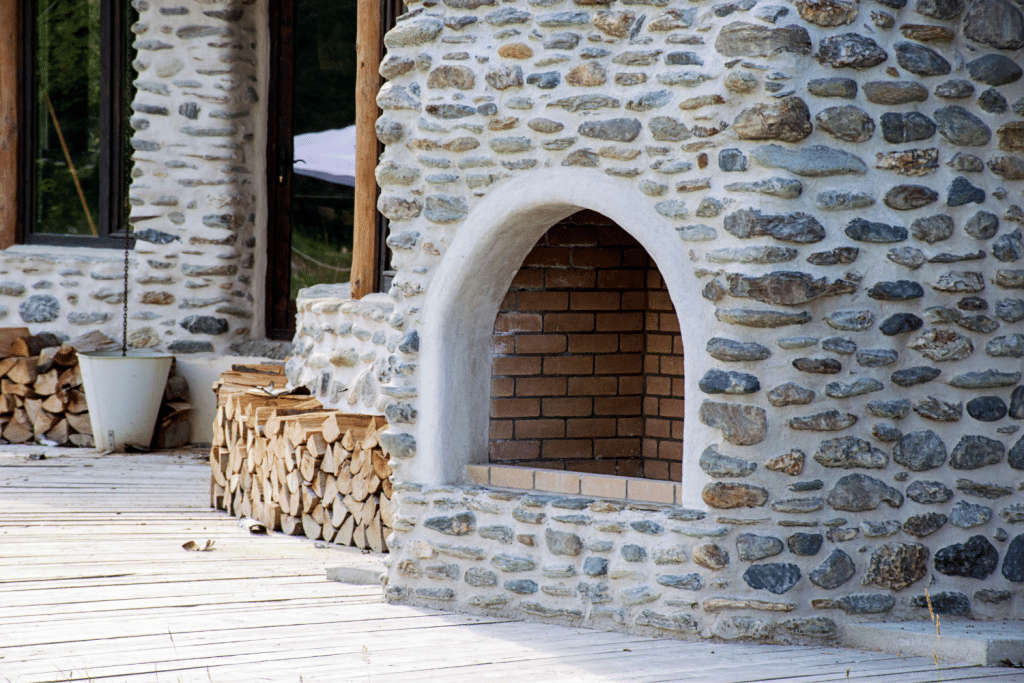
(365, 244)
(10, 54)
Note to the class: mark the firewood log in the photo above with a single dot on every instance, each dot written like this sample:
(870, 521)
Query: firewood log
(312, 530)
(9, 335)
(46, 383)
(79, 422)
(23, 371)
(31, 345)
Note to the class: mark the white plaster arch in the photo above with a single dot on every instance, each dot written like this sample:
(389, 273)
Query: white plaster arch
(469, 284)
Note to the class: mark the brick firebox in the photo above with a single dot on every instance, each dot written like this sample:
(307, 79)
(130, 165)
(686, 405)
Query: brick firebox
(587, 371)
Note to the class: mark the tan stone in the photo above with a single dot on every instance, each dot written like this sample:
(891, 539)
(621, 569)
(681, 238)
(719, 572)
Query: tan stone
(143, 338)
(791, 463)
(728, 495)
(507, 123)
(827, 13)
(718, 604)
(615, 23)
(711, 556)
(157, 298)
(515, 51)
(925, 33)
(1011, 136)
(701, 101)
(628, 79)
(586, 75)
(787, 120)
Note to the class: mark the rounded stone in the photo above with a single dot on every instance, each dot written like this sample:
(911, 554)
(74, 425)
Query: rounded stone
(850, 50)
(910, 197)
(752, 547)
(879, 233)
(962, 128)
(920, 60)
(966, 515)
(982, 226)
(633, 553)
(776, 578)
(728, 495)
(977, 558)
(975, 451)
(717, 465)
(929, 492)
(897, 565)
(710, 556)
(894, 92)
(940, 9)
(787, 120)
(845, 88)
(859, 493)
(920, 451)
(898, 128)
(995, 70)
(876, 358)
(996, 23)
(728, 382)
(1013, 561)
(848, 123)
(900, 323)
(834, 571)
(39, 308)
(924, 525)
(987, 408)
(805, 544)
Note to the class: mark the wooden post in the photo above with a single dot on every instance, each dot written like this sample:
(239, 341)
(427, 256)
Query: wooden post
(365, 246)
(10, 53)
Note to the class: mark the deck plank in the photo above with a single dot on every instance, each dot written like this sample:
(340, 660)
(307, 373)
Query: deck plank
(94, 586)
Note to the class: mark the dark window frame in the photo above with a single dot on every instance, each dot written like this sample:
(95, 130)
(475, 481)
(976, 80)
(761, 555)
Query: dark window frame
(113, 169)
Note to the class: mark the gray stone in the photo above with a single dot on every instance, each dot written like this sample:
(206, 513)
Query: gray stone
(943, 345)
(840, 345)
(992, 597)
(864, 385)
(937, 410)
(1007, 167)
(731, 350)
(506, 16)
(850, 50)
(563, 543)
(682, 623)
(843, 200)
(751, 547)
(797, 342)
(741, 39)
(799, 228)
(847, 123)
(787, 120)
(984, 379)
(859, 493)
(833, 87)
(864, 603)
(686, 582)
(697, 233)
(909, 197)
(595, 593)
(595, 566)
(798, 505)
(502, 534)
(961, 127)
(804, 544)
(39, 308)
(728, 382)
(1013, 561)
(832, 257)
(940, 9)
(849, 452)
(521, 586)
(790, 394)
(204, 324)
(974, 451)
(759, 318)
(714, 464)
(617, 130)
(894, 92)
(996, 23)
(898, 128)
(932, 229)
(812, 161)
(962, 192)
(458, 525)
(646, 526)
(1009, 247)
(786, 288)
(413, 33)
(897, 565)
(892, 409)
(924, 525)
(993, 102)
(190, 347)
(776, 578)
(639, 595)
(982, 490)
(994, 69)
(977, 558)
(668, 129)
(930, 493)
(851, 321)
(876, 358)
(1012, 514)
(563, 19)
(783, 188)
(909, 377)
(634, 553)
(880, 529)
(1015, 458)
(944, 602)
(442, 208)
(825, 421)
(834, 571)
(880, 233)
(818, 366)
(547, 80)
(759, 255)
(920, 60)
(900, 323)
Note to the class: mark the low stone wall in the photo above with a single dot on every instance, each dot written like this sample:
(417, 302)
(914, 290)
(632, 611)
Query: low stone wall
(343, 349)
(663, 569)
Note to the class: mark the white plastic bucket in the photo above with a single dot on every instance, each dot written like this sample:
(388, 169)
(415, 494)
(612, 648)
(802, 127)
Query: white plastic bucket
(124, 393)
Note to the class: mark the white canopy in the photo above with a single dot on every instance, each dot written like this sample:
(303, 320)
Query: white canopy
(328, 155)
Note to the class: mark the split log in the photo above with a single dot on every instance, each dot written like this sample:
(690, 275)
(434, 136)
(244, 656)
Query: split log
(23, 371)
(32, 344)
(9, 335)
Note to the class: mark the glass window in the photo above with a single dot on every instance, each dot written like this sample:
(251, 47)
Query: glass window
(76, 98)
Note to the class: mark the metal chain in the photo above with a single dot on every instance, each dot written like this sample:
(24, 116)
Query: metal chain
(124, 321)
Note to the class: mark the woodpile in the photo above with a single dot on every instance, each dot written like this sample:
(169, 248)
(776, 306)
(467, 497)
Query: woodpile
(41, 395)
(284, 460)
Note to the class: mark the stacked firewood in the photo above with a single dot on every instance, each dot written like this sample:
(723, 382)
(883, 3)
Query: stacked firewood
(41, 395)
(285, 461)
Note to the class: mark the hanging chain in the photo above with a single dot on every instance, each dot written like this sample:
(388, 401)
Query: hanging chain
(124, 319)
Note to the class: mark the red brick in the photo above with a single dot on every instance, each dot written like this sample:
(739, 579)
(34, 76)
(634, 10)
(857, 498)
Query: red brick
(592, 466)
(634, 301)
(619, 364)
(678, 430)
(630, 426)
(515, 407)
(591, 427)
(654, 280)
(659, 343)
(656, 469)
(617, 448)
(502, 387)
(568, 322)
(568, 448)
(541, 343)
(672, 365)
(659, 300)
(514, 450)
(631, 342)
(509, 302)
(568, 365)
(543, 301)
(595, 301)
(651, 406)
(677, 345)
(501, 429)
(631, 384)
(649, 448)
(620, 322)
(565, 235)
(613, 235)
(630, 468)
(621, 406)
(515, 365)
(570, 278)
(621, 279)
(675, 471)
(528, 278)
(658, 429)
(651, 321)
(593, 386)
(659, 386)
(593, 343)
(543, 464)
(540, 429)
(548, 256)
(540, 386)
(668, 322)
(568, 407)
(503, 346)
(652, 365)
(596, 257)
(670, 450)
(636, 256)
(518, 322)
(678, 387)
(671, 407)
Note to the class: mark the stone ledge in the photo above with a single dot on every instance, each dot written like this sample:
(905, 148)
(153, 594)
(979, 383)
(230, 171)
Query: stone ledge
(969, 642)
(576, 483)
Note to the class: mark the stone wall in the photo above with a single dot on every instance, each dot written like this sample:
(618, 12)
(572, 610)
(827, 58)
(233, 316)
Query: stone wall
(831, 191)
(197, 169)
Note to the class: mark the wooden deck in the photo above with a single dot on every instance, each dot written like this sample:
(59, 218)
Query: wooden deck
(95, 586)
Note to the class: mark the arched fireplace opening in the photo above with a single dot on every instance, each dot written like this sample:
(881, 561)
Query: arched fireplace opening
(587, 358)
